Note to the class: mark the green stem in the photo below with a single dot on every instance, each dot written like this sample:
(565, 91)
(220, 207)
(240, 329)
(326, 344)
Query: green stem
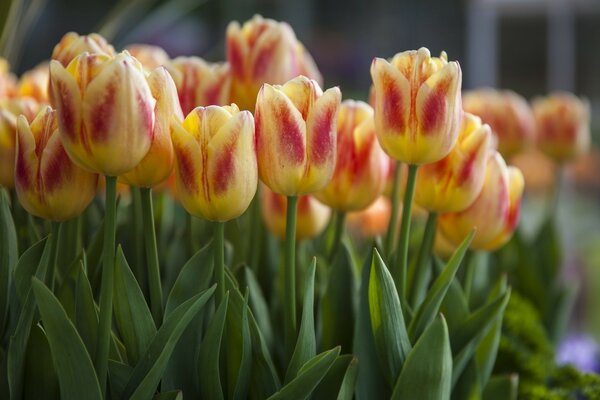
(290, 277)
(469, 274)
(256, 234)
(51, 274)
(419, 283)
(390, 237)
(340, 225)
(402, 256)
(219, 260)
(106, 289)
(152, 264)
(138, 240)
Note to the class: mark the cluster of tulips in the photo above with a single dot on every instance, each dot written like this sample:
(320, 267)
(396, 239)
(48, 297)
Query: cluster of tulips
(208, 133)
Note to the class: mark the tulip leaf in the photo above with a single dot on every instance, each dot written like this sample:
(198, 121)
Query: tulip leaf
(455, 307)
(387, 322)
(172, 395)
(245, 370)
(427, 371)
(308, 377)
(86, 315)
(9, 255)
(39, 368)
(370, 382)
(306, 345)
(210, 351)
(132, 315)
(26, 267)
(340, 381)
(68, 246)
(467, 386)
(119, 374)
(431, 305)
(259, 306)
(148, 372)
(338, 303)
(72, 362)
(502, 387)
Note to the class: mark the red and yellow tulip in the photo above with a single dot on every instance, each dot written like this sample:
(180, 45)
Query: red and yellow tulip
(34, 83)
(151, 57)
(72, 44)
(47, 182)
(295, 136)
(8, 82)
(417, 105)
(216, 161)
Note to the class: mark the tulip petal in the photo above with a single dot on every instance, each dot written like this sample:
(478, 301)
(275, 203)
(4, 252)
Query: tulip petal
(237, 50)
(26, 160)
(67, 100)
(273, 55)
(303, 93)
(189, 167)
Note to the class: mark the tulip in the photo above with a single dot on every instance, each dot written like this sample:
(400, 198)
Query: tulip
(452, 183)
(361, 168)
(151, 57)
(200, 83)
(216, 161)
(495, 212)
(563, 126)
(295, 136)
(417, 105)
(264, 51)
(72, 44)
(312, 217)
(10, 109)
(7, 80)
(507, 113)
(47, 183)
(105, 111)
(34, 83)
(372, 221)
(157, 165)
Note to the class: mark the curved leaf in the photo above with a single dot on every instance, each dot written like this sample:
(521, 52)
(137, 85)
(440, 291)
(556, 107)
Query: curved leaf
(245, 370)
(210, 351)
(9, 254)
(340, 380)
(26, 267)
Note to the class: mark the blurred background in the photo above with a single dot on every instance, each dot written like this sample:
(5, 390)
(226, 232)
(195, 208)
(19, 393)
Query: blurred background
(530, 46)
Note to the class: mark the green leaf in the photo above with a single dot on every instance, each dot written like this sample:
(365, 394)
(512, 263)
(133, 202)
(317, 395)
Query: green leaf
(148, 372)
(427, 372)
(340, 380)
(387, 322)
(308, 377)
(259, 306)
(172, 395)
(132, 315)
(338, 303)
(72, 362)
(39, 370)
(119, 374)
(467, 386)
(26, 267)
(431, 305)
(455, 307)
(370, 382)
(86, 314)
(502, 387)
(9, 254)
(210, 350)
(242, 382)
(306, 345)
(68, 246)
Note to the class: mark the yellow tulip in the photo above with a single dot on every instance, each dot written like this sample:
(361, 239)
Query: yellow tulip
(495, 212)
(151, 57)
(47, 183)
(264, 51)
(72, 44)
(295, 136)
(361, 167)
(454, 182)
(417, 105)
(563, 126)
(216, 161)
(34, 83)
(105, 111)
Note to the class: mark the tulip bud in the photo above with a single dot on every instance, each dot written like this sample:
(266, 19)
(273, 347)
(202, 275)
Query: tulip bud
(264, 51)
(7, 80)
(72, 44)
(507, 113)
(10, 109)
(48, 184)
(200, 83)
(151, 57)
(295, 136)
(361, 167)
(495, 212)
(417, 105)
(105, 111)
(563, 126)
(158, 163)
(34, 83)
(311, 217)
(454, 182)
(216, 161)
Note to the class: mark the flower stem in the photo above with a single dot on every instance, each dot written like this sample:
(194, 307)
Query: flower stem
(106, 289)
(402, 256)
(290, 277)
(390, 238)
(340, 224)
(419, 282)
(151, 256)
(51, 274)
(219, 260)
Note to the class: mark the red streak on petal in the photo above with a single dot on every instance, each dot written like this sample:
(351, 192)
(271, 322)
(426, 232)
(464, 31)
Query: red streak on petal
(393, 114)
(187, 92)
(22, 170)
(467, 169)
(185, 163)
(303, 205)
(434, 110)
(235, 57)
(212, 94)
(263, 60)
(224, 170)
(66, 114)
(292, 137)
(323, 137)
(147, 114)
(57, 171)
(103, 113)
(513, 216)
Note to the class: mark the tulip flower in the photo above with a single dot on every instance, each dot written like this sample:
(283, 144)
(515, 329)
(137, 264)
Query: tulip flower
(34, 83)
(10, 109)
(295, 136)
(264, 51)
(452, 183)
(312, 217)
(563, 126)
(7, 80)
(151, 57)
(47, 182)
(495, 212)
(105, 111)
(417, 105)
(361, 167)
(216, 161)
(157, 165)
(72, 44)
(507, 113)
(200, 83)
(372, 221)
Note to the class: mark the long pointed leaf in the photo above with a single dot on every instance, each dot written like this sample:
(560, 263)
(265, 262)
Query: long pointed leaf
(242, 382)
(9, 255)
(40, 369)
(340, 380)
(210, 351)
